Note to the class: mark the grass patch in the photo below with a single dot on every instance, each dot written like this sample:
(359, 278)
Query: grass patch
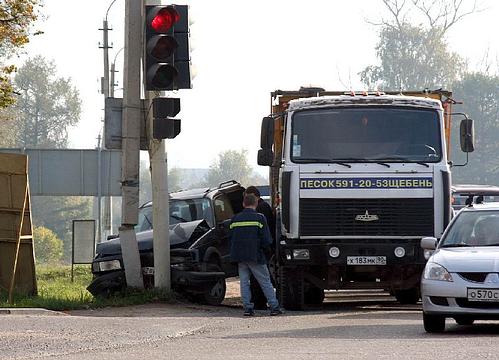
(57, 292)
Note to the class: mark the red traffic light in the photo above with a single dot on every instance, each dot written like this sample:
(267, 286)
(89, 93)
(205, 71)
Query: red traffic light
(164, 19)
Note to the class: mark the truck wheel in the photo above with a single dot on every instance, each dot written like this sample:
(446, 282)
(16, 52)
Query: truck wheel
(466, 321)
(408, 296)
(257, 296)
(314, 295)
(216, 294)
(434, 323)
(290, 286)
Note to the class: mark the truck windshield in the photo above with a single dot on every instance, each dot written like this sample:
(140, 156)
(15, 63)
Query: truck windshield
(366, 134)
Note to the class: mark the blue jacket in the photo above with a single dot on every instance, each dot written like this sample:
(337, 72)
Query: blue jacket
(249, 234)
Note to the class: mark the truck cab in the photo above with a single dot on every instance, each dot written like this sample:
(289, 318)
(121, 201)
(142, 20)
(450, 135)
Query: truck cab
(357, 180)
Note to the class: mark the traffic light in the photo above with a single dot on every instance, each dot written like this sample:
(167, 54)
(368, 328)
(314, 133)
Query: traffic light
(167, 58)
(163, 109)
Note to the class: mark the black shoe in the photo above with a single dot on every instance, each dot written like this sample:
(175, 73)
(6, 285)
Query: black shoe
(249, 312)
(276, 311)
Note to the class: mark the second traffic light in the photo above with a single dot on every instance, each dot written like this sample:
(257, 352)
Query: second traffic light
(166, 52)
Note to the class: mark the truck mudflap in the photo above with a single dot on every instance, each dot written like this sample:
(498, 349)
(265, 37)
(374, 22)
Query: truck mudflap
(182, 280)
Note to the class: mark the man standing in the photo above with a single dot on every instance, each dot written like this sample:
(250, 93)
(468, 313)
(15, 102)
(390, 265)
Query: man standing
(249, 235)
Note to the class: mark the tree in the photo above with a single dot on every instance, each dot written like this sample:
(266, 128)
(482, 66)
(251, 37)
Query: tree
(412, 58)
(57, 212)
(46, 107)
(230, 165)
(480, 95)
(7, 128)
(416, 56)
(48, 247)
(16, 18)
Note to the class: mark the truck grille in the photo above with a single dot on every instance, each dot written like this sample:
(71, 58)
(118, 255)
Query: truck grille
(337, 217)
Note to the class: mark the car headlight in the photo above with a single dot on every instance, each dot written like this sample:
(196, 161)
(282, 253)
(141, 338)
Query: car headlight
(109, 265)
(434, 271)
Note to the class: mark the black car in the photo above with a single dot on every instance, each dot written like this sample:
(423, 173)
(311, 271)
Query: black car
(199, 245)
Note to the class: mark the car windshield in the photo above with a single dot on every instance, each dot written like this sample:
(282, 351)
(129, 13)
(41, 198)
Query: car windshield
(180, 211)
(363, 135)
(473, 228)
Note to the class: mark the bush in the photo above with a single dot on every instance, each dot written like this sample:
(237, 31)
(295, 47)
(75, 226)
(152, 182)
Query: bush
(48, 247)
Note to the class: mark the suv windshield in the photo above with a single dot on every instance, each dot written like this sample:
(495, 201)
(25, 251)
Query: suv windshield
(180, 211)
(473, 228)
(368, 134)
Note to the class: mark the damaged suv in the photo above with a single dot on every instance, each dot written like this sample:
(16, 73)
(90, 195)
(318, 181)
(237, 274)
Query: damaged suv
(199, 245)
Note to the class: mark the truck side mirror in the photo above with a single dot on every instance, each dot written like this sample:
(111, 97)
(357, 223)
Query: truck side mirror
(265, 157)
(467, 135)
(267, 133)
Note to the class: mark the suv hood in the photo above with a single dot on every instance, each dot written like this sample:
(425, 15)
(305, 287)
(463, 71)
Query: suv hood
(468, 259)
(181, 236)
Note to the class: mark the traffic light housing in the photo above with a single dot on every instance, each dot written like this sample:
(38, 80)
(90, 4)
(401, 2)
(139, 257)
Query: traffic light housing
(163, 109)
(166, 52)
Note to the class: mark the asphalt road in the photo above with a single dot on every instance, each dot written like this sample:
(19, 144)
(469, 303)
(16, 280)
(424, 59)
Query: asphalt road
(349, 326)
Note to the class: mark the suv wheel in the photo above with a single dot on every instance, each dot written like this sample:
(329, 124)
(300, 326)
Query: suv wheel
(433, 323)
(216, 294)
(290, 286)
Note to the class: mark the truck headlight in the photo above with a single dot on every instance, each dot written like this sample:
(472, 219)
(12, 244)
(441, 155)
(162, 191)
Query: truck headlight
(434, 271)
(399, 251)
(301, 254)
(109, 265)
(334, 252)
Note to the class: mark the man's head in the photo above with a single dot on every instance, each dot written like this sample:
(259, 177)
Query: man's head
(252, 190)
(250, 201)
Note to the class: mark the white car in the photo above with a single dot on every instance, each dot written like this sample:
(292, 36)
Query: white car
(461, 278)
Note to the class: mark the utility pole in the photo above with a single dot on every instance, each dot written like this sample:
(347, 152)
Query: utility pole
(131, 142)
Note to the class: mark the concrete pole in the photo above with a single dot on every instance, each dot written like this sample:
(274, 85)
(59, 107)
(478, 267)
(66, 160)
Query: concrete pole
(105, 47)
(99, 189)
(111, 89)
(161, 212)
(131, 142)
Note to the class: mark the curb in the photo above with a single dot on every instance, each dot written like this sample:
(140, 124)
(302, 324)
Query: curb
(29, 311)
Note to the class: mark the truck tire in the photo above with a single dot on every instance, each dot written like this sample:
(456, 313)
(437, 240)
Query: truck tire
(216, 294)
(407, 296)
(433, 323)
(290, 286)
(314, 295)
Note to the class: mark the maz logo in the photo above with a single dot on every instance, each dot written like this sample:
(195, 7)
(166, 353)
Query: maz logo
(367, 217)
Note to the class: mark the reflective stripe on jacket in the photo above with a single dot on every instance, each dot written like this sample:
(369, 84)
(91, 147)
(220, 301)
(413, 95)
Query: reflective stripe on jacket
(249, 234)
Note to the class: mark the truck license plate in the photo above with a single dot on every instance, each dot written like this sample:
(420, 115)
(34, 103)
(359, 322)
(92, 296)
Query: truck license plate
(366, 260)
(483, 294)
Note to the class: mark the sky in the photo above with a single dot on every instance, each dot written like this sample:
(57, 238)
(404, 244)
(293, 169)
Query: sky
(242, 50)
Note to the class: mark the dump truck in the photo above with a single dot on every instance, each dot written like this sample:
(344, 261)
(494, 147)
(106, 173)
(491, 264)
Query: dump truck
(357, 179)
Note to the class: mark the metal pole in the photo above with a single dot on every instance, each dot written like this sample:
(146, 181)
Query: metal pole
(131, 142)
(111, 89)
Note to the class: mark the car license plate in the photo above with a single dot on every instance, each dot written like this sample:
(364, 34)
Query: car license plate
(366, 260)
(483, 295)
(148, 270)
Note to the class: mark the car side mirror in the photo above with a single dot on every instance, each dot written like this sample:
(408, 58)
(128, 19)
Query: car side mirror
(265, 157)
(467, 135)
(429, 243)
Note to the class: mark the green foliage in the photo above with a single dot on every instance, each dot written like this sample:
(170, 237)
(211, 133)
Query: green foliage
(480, 95)
(46, 107)
(57, 213)
(412, 58)
(48, 247)
(57, 292)
(16, 18)
(230, 165)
